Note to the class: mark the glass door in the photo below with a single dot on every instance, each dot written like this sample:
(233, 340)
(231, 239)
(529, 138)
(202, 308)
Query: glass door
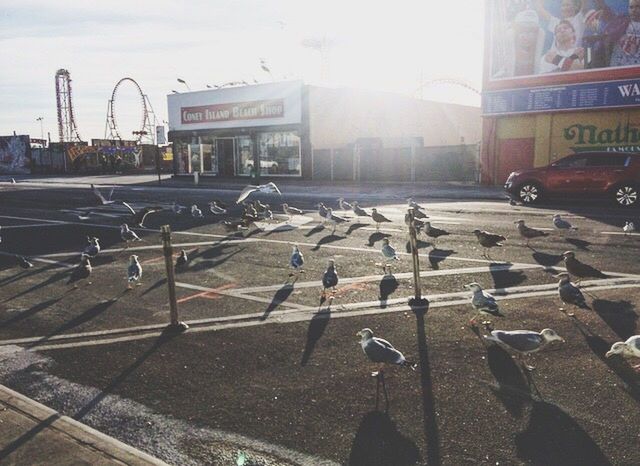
(195, 158)
(225, 156)
(244, 155)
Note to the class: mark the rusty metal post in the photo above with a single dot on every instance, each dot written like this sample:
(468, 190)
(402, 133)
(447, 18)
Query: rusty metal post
(414, 256)
(171, 279)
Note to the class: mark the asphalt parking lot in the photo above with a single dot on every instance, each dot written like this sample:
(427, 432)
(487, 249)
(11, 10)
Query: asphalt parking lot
(269, 369)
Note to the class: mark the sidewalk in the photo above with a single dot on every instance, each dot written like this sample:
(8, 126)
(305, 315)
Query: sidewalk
(304, 188)
(31, 433)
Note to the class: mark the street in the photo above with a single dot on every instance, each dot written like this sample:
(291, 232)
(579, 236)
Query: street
(269, 368)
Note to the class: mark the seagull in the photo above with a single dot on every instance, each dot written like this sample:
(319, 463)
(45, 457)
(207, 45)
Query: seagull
(216, 209)
(417, 213)
(335, 219)
(524, 342)
(250, 210)
(388, 251)
(182, 259)
(529, 233)
(562, 224)
(234, 225)
(177, 208)
(219, 203)
(359, 211)
(484, 303)
(13, 181)
(134, 271)
(330, 279)
(382, 352)
(86, 216)
(139, 217)
(322, 211)
(296, 261)
(24, 262)
(580, 269)
(488, 240)
(291, 211)
(344, 205)
(196, 212)
(417, 224)
(128, 235)
(433, 232)
(378, 218)
(629, 349)
(93, 248)
(81, 272)
(101, 198)
(267, 214)
(259, 206)
(263, 188)
(628, 227)
(413, 204)
(570, 293)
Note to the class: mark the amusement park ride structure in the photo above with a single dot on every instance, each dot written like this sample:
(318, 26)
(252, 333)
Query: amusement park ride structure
(67, 130)
(146, 133)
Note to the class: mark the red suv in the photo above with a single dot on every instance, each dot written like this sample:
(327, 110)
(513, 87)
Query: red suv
(612, 174)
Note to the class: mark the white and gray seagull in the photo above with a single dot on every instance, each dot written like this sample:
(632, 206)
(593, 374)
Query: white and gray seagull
(359, 211)
(296, 261)
(382, 352)
(93, 248)
(628, 227)
(134, 271)
(524, 342)
(215, 209)
(334, 219)
(388, 251)
(263, 188)
(128, 235)
(344, 205)
(569, 292)
(561, 224)
(484, 303)
(627, 349)
(196, 212)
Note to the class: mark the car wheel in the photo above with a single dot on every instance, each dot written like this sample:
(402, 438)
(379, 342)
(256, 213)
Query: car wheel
(529, 193)
(626, 195)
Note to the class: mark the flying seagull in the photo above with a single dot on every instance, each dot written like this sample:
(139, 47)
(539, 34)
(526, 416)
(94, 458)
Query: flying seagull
(134, 271)
(93, 248)
(484, 304)
(378, 218)
(263, 188)
(330, 279)
(524, 342)
(182, 259)
(488, 240)
(580, 269)
(629, 349)
(570, 293)
(138, 218)
(561, 224)
(529, 233)
(101, 198)
(296, 261)
(382, 352)
(359, 211)
(344, 205)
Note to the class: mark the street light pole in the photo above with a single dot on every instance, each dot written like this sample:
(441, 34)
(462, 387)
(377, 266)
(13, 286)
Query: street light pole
(41, 127)
(184, 82)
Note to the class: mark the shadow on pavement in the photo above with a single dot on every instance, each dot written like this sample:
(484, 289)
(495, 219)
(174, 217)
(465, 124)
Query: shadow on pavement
(354, 226)
(379, 443)
(316, 329)
(619, 315)
(327, 240)
(377, 236)
(388, 285)
(505, 278)
(436, 256)
(280, 297)
(512, 391)
(548, 260)
(29, 312)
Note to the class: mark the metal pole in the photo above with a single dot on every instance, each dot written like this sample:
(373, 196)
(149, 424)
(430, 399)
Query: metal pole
(414, 255)
(171, 280)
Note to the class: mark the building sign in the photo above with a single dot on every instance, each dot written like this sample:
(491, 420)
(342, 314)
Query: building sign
(569, 97)
(557, 37)
(233, 111)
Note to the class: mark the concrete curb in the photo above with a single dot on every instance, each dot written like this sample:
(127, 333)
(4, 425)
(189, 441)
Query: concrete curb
(84, 435)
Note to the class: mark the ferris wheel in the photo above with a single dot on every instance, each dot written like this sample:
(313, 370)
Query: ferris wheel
(146, 133)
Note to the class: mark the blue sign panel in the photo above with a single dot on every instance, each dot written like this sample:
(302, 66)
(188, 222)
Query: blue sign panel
(567, 97)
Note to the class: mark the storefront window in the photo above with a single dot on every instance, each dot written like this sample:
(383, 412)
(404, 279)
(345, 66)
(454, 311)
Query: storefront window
(181, 151)
(209, 159)
(244, 158)
(194, 155)
(279, 153)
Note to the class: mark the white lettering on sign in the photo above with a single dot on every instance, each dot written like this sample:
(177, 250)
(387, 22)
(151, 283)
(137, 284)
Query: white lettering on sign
(629, 90)
(233, 111)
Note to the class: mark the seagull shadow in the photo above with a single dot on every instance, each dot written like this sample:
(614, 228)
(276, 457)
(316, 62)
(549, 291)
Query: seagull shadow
(58, 276)
(619, 315)
(548, 260)
(29, 312)
(388, 285)
(316, 329)
(504, 278)
(579, 243)
(317, 229)
(354, 226)
(554, 437)
(156, 285)
(513, 390)
(419, 245)
(436, 256)
(331, 238)
(210, 264)
(377, 236)
(379, 442)
(280, 297)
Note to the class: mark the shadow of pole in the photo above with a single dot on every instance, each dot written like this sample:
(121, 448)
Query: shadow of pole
(428, 401)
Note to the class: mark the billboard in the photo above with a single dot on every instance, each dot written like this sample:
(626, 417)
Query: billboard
(545, 42)
(15, 155)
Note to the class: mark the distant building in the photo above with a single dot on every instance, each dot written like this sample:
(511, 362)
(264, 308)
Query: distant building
(294, 130)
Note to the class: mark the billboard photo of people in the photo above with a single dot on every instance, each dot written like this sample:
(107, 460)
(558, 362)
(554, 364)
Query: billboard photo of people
(538, 37)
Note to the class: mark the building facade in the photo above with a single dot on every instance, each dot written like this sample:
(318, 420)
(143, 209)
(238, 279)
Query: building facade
(560, 77)
(289, 129)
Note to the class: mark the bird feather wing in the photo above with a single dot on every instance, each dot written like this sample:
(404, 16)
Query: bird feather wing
(245, 193)
(379, 350)
(520, 340)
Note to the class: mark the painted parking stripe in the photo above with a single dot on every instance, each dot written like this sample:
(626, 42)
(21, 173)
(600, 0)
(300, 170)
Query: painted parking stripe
(41, 259)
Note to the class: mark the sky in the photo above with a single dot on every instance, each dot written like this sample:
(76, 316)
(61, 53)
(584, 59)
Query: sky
(386, 46)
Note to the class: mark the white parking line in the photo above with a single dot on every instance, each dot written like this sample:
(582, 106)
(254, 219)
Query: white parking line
(41, 259)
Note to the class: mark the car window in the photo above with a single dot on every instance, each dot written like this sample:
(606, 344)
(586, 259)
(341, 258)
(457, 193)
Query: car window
(572, 161)
(607, 160)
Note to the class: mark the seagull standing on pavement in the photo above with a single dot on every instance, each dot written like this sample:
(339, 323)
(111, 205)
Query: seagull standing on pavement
(629, 349)
(330, 279)
(322, 212)
(182, 259)
(560, 224)
(388, 251)
(296, 261)
(488, 240)
(417, 224)
(335, 219)
(378, 218)
(382, 352)
(628, 227)
(216, 209)
(570, 293)
(82, 271)
(291, 211)
(177, 208)
(344, 205)
(580, 269)
(359, 211)
(93, 248)
(433, 232)
(128, 235)
(196, 212)
(529, 233)
(134, 271)
(413, 204)
(484, 304)
(24, 262)
(524, 342)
